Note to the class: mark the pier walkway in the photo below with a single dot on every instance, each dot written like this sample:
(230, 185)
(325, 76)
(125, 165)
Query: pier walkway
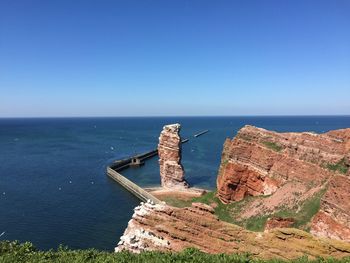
(136, 190)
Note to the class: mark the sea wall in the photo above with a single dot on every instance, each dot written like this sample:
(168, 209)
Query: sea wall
(132, 187)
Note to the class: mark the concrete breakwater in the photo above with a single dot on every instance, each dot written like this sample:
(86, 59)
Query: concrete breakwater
(201, 133)
(134, 161)
(132, 187)
(137, 160)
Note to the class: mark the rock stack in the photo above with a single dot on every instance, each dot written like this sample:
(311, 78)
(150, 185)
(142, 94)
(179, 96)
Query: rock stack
(169, 150)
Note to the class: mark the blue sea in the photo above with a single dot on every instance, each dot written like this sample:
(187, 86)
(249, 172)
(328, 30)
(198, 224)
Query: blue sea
(53, 185)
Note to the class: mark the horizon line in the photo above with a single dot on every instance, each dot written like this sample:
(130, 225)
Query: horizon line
(177, 116)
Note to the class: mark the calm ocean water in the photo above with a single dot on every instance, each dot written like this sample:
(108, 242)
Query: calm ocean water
(53, 186)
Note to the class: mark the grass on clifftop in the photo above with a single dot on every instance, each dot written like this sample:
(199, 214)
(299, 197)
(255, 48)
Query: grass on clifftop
(338, 167)
(302, 214)
(305, 212)
(221, 210)
(175, 201)
(15, 252)
(224, 212)
(227, 212)
(273, 146)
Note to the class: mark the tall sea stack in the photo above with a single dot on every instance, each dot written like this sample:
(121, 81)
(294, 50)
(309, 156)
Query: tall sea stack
(169, 150)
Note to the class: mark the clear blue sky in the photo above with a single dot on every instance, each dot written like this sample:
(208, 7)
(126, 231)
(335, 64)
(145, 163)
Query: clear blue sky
(148, 57)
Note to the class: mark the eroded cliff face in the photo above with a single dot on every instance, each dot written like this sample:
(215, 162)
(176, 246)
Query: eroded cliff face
(290, 168)
(169, 150)
(164, 228)
(295, 180)
(333, 218)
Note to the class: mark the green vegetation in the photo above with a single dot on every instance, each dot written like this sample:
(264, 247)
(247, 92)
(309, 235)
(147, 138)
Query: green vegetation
(273, 146)
(304, 214)
(26, 252)
(225, 212)
(244, 137)
(256, 223)
(174, 201)
(208, 198)
(15, 252)
(338, 167)
(221, 210)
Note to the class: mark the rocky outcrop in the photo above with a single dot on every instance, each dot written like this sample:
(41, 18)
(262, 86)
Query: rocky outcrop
(169, 151)
(290, 168)
(164, 228)
(245, 181)
(278, 222)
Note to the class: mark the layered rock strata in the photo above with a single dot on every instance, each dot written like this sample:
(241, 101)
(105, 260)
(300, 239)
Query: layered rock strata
(164, 228)
(333, 218)
(278, 222)
(169, 152)
(290, 168)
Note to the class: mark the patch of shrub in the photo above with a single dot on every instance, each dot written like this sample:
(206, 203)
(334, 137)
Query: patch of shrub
(338, 167)
(273, 146)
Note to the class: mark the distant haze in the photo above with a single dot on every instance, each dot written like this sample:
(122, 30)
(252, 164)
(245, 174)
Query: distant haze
(161, 58)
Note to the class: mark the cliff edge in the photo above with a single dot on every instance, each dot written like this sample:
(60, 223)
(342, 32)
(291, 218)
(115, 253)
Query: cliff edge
(290, 169)
(157, 227)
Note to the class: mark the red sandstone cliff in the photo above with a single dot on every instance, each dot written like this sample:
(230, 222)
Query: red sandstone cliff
(169, 151)
(166, 228)
(290, 168)
(305, 173)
